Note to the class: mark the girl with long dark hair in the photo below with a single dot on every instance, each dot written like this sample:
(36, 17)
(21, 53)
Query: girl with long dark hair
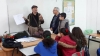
(48, 46)
(81, 41)
(69, 41)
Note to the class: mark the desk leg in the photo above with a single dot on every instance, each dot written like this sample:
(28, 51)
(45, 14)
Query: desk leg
(89, 41)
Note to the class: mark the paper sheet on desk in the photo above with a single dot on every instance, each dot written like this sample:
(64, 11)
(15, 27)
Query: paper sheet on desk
(29, 39)
(19, 19)
(28, 51)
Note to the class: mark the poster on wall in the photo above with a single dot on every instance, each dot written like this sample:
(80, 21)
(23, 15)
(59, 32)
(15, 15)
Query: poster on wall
(69, 9)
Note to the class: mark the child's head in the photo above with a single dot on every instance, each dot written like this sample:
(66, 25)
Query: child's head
(77, 32)
(64, 32)
(46, 34)
(47, 41)
(62, 16)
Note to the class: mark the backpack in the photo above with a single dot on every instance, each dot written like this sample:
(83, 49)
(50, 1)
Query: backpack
(9, 43)
(21, 35)
(86, 51)
(80, 53)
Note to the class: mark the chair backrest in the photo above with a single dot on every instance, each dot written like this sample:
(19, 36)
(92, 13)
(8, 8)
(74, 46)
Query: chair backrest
(81, 53)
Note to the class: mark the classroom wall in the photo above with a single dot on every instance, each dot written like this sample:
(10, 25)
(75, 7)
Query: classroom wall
(93, 15)
(3, 17)
(80, 14)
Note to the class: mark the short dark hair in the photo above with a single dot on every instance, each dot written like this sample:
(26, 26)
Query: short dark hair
(63, 15)
(34, 6)
(47, 41)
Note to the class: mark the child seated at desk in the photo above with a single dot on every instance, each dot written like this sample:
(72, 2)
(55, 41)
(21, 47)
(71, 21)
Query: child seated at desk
(81, 41)
(66, 37)
(48, 46)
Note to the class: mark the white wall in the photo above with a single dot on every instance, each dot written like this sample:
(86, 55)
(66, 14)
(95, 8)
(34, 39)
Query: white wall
(3, 17)
(45, 7)
(93, 15)
(80, 13)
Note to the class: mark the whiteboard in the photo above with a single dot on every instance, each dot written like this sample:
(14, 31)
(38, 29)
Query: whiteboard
(45, 7)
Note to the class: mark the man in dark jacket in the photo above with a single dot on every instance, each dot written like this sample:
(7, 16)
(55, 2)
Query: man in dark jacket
(55, 21)
(34, 20)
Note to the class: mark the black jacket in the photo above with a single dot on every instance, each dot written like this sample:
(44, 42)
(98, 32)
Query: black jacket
(34, 20)
(55, 28)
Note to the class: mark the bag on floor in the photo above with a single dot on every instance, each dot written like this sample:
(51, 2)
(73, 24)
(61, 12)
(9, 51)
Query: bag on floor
(21, 35)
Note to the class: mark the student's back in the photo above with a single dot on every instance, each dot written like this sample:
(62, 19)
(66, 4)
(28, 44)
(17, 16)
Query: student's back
(67, 38)
(52, 51)
(81, 41)
(68, 51)
(47, 47)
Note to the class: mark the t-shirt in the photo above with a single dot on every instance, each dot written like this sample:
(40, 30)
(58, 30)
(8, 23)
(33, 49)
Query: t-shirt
(40, 49)
(67, 40)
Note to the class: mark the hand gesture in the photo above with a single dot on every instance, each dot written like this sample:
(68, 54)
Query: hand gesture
(40, 17)
(59, 34)
(24, 18)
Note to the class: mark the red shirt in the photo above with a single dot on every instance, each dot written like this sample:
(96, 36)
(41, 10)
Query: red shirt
(67, 40)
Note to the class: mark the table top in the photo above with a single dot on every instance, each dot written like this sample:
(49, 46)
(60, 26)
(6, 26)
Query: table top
(28, 51)
(95, 35)
(27, 44)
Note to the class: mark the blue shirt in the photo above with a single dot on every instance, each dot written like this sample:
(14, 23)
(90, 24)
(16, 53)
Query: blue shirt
(40, 49)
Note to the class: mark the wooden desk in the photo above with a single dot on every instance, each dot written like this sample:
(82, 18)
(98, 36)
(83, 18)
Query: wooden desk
(95, 35)
(25, 44)
(94, 39)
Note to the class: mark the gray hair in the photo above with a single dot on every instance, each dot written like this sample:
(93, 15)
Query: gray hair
(56, 8)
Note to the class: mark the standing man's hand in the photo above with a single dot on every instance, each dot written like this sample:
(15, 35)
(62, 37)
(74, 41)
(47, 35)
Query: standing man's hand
(24, 18)
(51, 29)
(40, 17)
(59, 34)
